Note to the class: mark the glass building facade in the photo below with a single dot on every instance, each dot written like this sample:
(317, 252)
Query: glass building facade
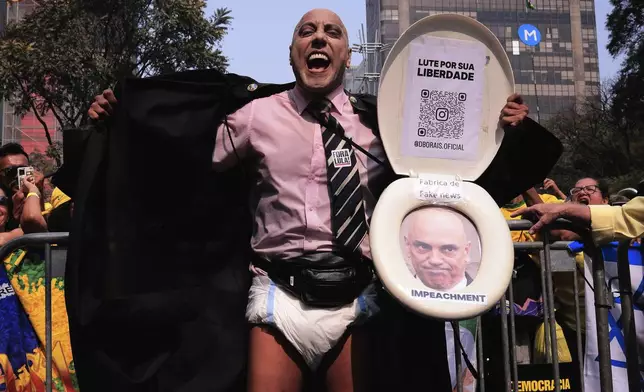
(26, 130)
(566, 67)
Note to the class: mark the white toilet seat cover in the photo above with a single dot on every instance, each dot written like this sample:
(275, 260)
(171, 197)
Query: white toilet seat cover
(442, 89)
(394, 259)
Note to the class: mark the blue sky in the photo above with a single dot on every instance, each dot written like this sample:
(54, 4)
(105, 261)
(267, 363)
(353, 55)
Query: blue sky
(257, 45)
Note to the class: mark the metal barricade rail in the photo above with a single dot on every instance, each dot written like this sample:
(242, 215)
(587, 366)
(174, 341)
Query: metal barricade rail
(602, 304)
(45, 240)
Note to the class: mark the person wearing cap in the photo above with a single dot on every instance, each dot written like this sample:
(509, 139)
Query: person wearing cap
(286, 138)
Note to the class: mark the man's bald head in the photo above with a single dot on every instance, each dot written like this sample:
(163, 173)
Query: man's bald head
(437, 246)
(319, 52)
(315, 13)
(425, 220)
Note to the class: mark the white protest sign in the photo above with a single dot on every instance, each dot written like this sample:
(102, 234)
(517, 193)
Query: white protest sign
(439, 187)
(444, 95)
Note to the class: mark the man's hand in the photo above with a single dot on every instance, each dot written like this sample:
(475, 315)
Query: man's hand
(18, 202)
(29, 186)
(39, 180)
(548, 213)
(552, 185)
(514, 111)
(102, 107)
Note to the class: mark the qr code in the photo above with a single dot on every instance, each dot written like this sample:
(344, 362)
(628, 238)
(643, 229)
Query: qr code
(442, 114)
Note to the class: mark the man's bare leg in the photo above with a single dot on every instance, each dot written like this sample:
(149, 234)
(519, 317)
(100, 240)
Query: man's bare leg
(270, 368)
(348, 372)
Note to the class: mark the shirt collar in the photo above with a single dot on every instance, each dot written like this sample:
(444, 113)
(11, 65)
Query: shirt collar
(337, 97)
(460, 285)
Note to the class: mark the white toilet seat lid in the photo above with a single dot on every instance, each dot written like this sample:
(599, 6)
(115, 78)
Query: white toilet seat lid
(461, 117)
(393, 258)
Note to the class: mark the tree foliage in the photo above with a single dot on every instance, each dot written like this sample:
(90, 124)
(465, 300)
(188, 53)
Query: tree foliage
(603, 136)
(66, 51)
(626, 29)
(598, 143)
(42, 162)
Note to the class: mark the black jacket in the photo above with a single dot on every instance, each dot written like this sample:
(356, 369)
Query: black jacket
(157, 272)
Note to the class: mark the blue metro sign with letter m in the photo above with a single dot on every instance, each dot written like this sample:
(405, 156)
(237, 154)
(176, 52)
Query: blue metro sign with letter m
(529, 35)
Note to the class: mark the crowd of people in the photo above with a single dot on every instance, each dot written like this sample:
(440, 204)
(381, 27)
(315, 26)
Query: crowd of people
(528, 291)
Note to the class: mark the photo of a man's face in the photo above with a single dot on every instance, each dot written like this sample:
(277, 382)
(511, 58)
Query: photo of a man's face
(438, 247)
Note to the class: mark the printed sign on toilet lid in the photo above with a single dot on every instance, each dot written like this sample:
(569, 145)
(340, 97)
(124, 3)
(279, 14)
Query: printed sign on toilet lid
(442, 89)
(439, 242)
(443, 98)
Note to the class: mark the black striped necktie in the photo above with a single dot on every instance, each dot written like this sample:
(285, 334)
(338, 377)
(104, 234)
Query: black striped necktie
(347, 206)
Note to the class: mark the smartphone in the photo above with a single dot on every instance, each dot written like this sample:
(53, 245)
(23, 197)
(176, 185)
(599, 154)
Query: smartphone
(23, 172)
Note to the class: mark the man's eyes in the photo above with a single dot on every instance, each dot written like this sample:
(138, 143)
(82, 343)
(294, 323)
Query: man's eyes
(308, 30)
(335, 33)
(448, 248)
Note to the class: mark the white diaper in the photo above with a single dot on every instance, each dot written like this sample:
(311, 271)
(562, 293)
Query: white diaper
(312, 331)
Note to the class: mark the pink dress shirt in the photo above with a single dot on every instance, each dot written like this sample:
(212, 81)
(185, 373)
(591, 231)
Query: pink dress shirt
(281, 147)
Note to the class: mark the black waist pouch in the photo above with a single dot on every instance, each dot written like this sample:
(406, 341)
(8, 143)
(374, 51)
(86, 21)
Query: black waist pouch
(323, 279)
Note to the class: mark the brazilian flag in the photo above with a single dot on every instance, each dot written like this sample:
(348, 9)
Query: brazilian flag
(530, 5)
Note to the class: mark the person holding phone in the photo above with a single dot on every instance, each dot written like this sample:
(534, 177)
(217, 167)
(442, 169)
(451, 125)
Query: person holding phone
(12, 158)
(30, 198)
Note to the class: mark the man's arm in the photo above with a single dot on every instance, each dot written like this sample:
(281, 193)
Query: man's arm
(616, 223)
(531, 197)
(607, 223)
(232, 137)
(8, 236)
(546, 213)
(232, 140)
(552, 185)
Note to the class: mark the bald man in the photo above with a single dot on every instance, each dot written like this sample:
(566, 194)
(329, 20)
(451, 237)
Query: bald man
(438, 248)
(300, 191)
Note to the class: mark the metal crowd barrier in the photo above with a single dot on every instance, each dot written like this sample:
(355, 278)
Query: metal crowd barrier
(563, 261)
(54, 266)
(45, 240)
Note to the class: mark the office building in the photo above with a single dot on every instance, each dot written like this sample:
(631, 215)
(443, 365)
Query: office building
(566, 67)
(26, 130)
(354, 80)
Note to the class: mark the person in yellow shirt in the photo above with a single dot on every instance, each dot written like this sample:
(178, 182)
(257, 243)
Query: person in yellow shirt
(58, 198)
(548, 198)
(550, 185)
(516, 204)
(607, 223)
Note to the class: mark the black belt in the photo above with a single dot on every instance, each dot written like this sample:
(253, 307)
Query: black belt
(322, 279)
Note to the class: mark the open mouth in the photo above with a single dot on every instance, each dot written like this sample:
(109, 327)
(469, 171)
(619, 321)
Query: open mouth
(584, 201)
(318, 62)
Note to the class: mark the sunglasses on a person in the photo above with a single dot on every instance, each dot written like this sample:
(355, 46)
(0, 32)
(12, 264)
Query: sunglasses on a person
(10, 172)
(4, 201)
(590, 189)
